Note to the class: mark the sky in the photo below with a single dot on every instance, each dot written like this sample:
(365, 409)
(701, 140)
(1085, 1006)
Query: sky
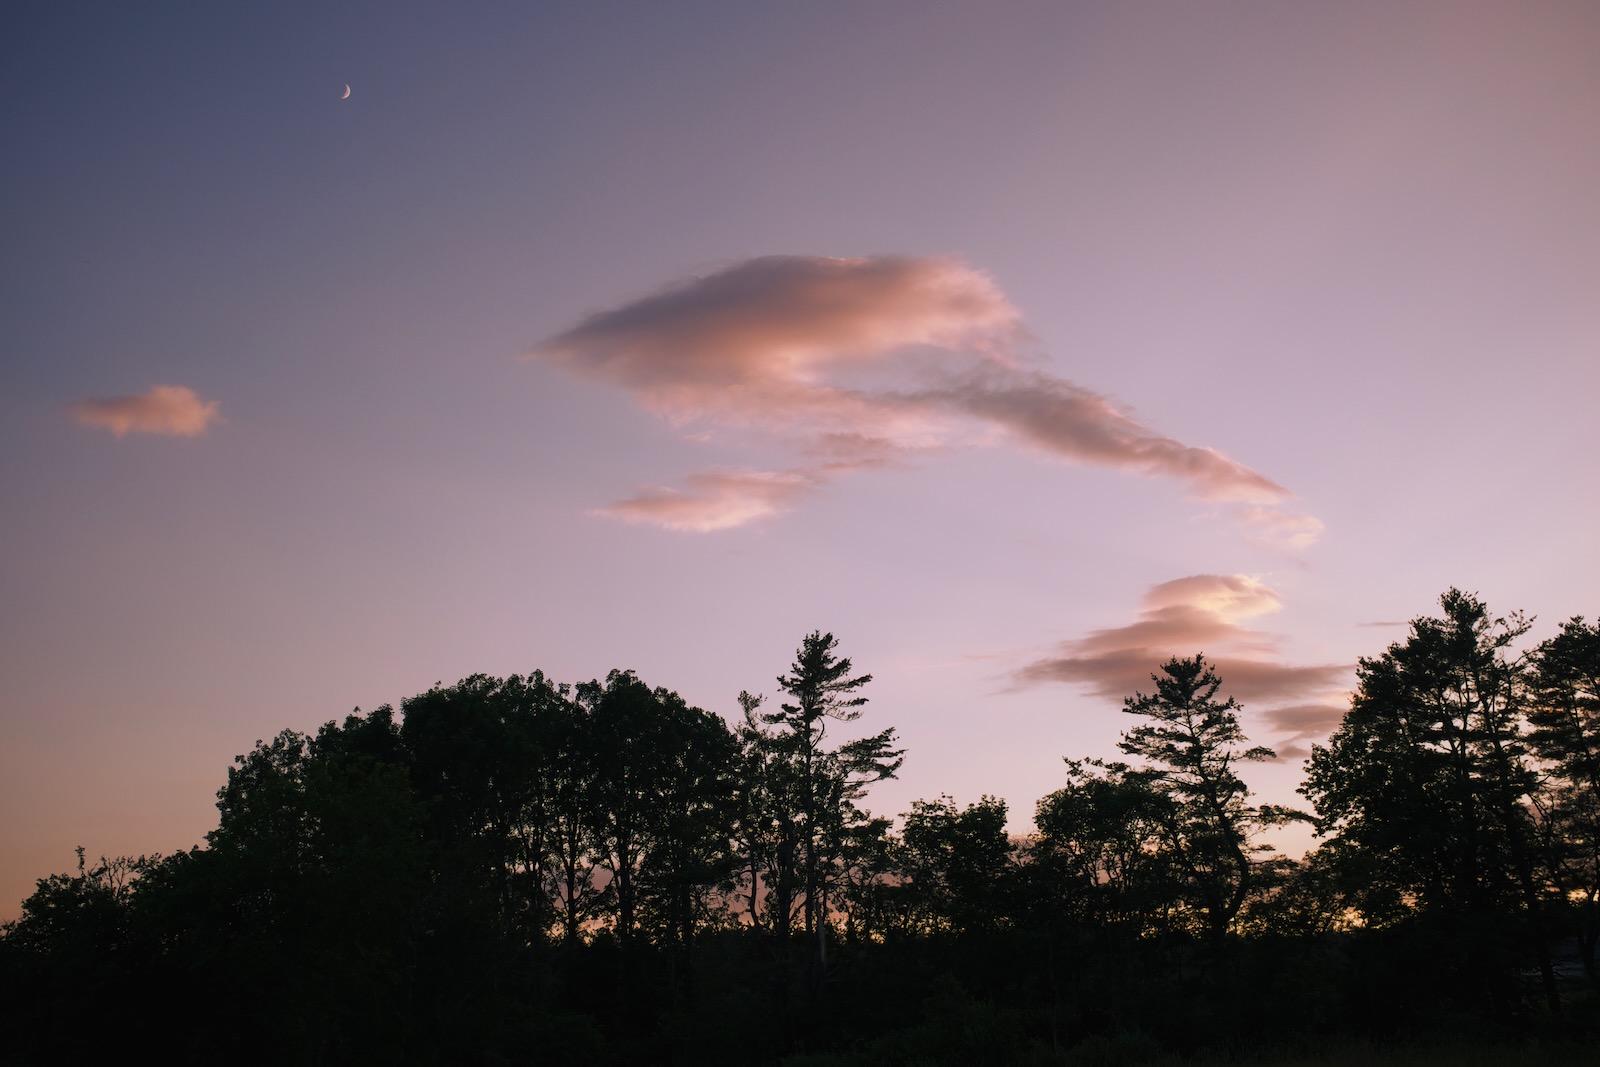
(1018, 345)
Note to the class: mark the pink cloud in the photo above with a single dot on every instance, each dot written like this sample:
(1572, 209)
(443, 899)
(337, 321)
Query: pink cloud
(906, 353)
(166, 410)
(1071, 422)
(1201, 613)
(1301, 725)
(775, 321)
(1306, 720)
(715, 500)
(1226, 596)
(1281, 528)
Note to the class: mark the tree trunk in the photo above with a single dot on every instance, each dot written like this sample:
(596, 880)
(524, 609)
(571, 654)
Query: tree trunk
(783, 907)
(571, 870)
(1530, 902)
(810, 840)
(755, 882)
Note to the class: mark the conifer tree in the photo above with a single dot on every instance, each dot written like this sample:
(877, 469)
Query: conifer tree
(822, 689)
(1191, 746)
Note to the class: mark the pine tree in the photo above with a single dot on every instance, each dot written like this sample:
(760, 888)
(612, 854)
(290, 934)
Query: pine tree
(822, 689)
(1190, 748)
(1564, 714)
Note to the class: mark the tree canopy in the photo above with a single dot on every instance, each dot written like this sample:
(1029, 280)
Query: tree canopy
(511, 868)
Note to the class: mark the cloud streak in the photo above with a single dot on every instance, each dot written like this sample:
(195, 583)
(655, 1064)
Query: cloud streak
(1203, 613)
(1069, 421)
(1300, 725)
(163, 410)
(1281, 529)
(904, 354)
(715, 500)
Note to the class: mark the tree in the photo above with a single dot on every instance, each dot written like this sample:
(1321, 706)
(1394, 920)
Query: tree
(72, 963)
(662, 803)
(1190, 747)
(311, 902)
(81, 914)
(577, 892)
(823, 690)
(1427, 781)
(1098, 856)
(1564, 713)
(691, 855)
(953, 864)
(867, 864)
(767, 827)
(482, 759)
(625, 748)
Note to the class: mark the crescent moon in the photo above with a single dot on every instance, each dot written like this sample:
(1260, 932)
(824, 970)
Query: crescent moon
(346, 94)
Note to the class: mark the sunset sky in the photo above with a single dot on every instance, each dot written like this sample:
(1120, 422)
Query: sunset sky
(1019, 345)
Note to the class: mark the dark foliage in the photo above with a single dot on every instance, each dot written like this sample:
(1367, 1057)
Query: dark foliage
(511, 870)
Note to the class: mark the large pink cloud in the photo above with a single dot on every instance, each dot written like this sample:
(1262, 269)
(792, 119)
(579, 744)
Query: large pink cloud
(905, 353)
(166, 410)
(774, 322)
(1203, 613)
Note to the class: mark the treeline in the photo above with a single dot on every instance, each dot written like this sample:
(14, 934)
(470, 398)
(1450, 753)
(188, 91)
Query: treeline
(511, 870)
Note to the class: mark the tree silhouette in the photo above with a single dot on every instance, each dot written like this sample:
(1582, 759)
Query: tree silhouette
(953, 865)
(691, 856)
(1564, 714)
(574, 886)
(1100, 852)
(767, 827)
(829, 781)
(627, 739)
(1190, 748)
(663, 798)
(481, 761)
(1428, 780)
(507, 869)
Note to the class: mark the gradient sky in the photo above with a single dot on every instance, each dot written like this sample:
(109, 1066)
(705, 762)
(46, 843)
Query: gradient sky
(429, 401)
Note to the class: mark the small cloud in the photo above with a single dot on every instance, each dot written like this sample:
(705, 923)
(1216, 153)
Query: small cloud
(165, 410)
(715, 500)
(1385, 623)
(1301, 725)
(1282, 529)
(1305, 720)
(1229, 596)
(836, 453)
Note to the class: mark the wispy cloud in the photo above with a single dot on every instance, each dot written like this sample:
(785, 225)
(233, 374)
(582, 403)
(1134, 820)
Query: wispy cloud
(880, 356)
(715, 500)
(1201, 613)
(1071, 422)
(165, 410)
(1299, 725)
(1282, 529)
